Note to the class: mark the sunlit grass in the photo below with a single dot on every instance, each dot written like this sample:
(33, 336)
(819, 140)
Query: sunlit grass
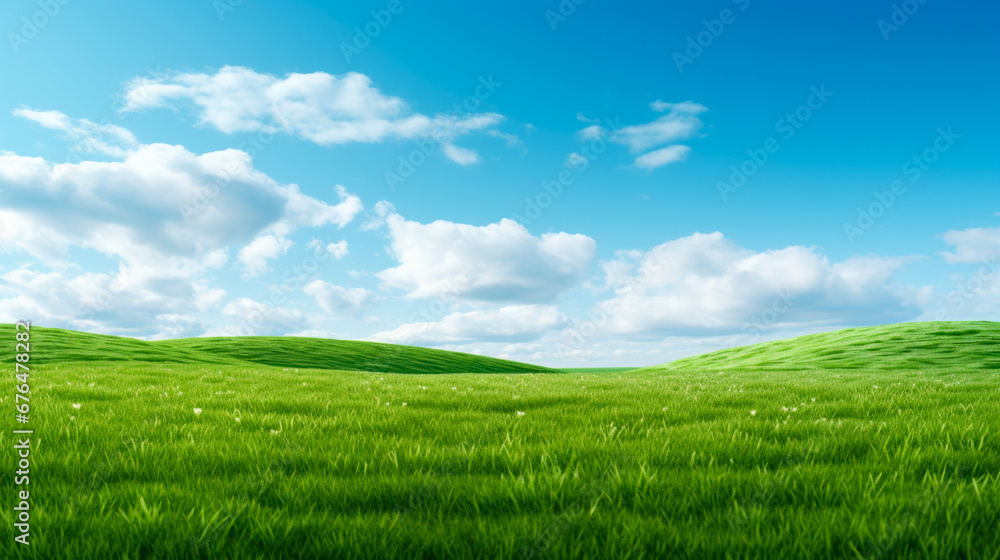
(321, 464)
(154, 459)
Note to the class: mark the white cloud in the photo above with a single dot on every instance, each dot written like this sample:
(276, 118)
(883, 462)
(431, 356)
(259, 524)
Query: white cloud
(260, 319)
(376, 219)
(338, 300)
(121, 303)
(509, 140)
(319, 107)
(591, 132)
(499, 262)
(160, 207)
(88, 137)
(680, 123)
(682, 107)
(706, 283)
(663, 156)
(515, 323)
(338, 249)
(167, 216)
(973, 245)
(255, 255)
(461, 156)
(575, 161)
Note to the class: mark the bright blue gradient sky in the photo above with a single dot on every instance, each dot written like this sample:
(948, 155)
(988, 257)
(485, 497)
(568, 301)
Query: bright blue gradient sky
(643, 256)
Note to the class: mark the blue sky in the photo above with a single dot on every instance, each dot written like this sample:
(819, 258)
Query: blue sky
(119, 122)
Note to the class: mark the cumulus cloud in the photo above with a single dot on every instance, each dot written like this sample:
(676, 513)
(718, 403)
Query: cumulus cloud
(161, 204)
(338, 300)
(708, 284)
(973, 245)
(514, 323)
(319, 107)
(376, 218)
(337, 249)
(499, 262)
(121, 303)
(166, 215)
(254, 256)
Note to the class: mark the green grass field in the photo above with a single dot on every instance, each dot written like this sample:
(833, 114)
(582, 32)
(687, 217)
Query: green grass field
(866, 443)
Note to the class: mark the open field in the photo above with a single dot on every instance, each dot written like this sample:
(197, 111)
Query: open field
(886, 458)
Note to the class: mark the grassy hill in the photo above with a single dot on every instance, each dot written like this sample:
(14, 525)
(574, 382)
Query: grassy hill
(54, 346)
(904, 346)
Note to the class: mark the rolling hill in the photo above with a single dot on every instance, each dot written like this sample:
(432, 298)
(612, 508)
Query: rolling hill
(51, 346)
(904, 346)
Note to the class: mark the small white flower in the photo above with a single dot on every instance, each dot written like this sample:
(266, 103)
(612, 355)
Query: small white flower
(454, 388)
(784, 408)
(197, 411)
(386, 404)
(303, 383)
(753, 413)
(76, 405)
(664, 409)
(275, 432)
(237, 419)
(519, 413)
(876, 386)
(72, 417)
(404, 404)
(814, 399)
(794, 408)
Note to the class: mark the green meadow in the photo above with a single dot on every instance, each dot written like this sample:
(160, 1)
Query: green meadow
(864, 443)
